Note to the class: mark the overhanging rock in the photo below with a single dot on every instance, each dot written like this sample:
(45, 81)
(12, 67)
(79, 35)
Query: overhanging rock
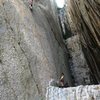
(81, 92)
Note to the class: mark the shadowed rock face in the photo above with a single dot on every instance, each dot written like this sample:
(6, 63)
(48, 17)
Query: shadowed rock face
(84, 19)
(30, 53)
(79, 67)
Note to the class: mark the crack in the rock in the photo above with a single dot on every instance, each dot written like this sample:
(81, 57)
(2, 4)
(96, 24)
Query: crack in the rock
(30, 69)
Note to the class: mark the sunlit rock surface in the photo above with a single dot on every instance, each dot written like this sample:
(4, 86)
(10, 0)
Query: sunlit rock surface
(30, 53)
(81, 92)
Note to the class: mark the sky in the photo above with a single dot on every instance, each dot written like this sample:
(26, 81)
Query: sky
(60, 3)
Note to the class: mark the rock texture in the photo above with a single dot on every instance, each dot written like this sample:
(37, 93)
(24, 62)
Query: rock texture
(68, 19)
(91, 92)
(31, 51)
(84, 16)
(79, 67)
(77, 61)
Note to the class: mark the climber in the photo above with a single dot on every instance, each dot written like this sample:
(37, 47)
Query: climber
(62, 80)
(30, 4)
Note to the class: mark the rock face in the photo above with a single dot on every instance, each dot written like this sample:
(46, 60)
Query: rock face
(79, 67)
(31, 51)
(83, 17)
(91, 92)
(77, 62)
(68, 18)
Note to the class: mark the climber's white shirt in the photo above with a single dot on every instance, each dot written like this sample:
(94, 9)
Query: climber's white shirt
(60, 3)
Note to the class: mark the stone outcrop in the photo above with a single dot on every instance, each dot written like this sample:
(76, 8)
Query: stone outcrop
(31, 50)
(79, 67)
(83, 17)
(81, 92)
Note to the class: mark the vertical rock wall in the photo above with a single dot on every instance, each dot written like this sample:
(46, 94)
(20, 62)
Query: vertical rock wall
(78, 64)
(85, 19)
(31, 51)
(79, 67)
